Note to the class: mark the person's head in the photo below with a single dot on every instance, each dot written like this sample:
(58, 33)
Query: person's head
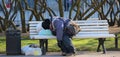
(46, 24)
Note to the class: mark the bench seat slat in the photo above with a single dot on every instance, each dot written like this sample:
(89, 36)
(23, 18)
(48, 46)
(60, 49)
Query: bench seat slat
(79, 33)
(77, 36)
(94, 36)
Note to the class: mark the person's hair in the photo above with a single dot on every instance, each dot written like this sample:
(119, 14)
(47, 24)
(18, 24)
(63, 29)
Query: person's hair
(46, 24)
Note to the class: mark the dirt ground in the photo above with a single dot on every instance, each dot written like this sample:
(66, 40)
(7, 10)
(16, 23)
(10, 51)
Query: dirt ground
(90, 54)
(79, 54)
(114, 29)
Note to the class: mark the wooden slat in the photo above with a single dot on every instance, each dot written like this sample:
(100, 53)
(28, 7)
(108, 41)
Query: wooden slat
(92, 21)
(94, 29)
(83, 27)
(95, 24)
(32, 25)
(33, 33)
(93, 32)
(94, 36)
(32, 28)
(34, 22)
(77, 36)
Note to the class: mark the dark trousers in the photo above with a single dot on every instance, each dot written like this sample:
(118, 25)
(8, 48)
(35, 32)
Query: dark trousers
(67, 45)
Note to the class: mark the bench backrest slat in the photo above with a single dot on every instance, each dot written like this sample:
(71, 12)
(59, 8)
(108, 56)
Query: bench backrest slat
(33, 30)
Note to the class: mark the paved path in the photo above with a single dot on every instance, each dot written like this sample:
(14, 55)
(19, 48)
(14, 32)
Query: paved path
(79, 54)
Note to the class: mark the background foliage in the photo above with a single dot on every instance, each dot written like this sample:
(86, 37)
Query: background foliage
(81, 9)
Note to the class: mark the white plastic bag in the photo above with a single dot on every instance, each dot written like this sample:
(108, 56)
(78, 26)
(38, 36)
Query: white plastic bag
(31, 50)
(24, 49)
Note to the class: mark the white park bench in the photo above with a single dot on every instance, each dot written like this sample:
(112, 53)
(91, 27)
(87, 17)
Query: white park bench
(89, 29)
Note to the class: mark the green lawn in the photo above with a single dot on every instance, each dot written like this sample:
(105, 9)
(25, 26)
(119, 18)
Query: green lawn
(80, 44)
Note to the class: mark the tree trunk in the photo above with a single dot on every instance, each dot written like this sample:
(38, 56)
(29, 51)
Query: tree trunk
(60, 8)
(22, 14)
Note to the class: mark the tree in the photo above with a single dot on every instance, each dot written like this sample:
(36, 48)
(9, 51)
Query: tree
(83, 9)
(22, 14)
(9, 15)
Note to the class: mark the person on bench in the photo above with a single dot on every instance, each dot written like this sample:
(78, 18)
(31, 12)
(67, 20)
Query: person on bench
(63, 40)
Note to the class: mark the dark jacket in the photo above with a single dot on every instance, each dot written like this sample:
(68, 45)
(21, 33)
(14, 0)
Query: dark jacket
(59, 25)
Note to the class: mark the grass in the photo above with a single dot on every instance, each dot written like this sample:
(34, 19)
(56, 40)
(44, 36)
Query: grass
(80, 44)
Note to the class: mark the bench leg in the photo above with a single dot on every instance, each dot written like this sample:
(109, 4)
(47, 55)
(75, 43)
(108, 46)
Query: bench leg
(43, 45)
(46, 44)
(116, 41)
(101, 42)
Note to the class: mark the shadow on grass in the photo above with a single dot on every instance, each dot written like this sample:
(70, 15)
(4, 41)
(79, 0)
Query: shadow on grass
(2, 52)
(87, 45)
(2, 40)
(113, 49)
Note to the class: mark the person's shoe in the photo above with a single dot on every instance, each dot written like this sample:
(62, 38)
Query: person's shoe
(63, 53)
(74, 53)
